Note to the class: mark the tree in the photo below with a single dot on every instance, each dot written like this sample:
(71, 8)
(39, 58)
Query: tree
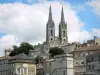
(39, 59)
(23, 48)
(56, 51)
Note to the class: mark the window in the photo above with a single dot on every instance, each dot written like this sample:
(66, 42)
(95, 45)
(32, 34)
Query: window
(76, 73)
(51, 32)
(64, 33)
(18, 70)
(64, 73)
(50, 63)
(82, 62)
(76, 62)
(51, 39)
(25, 70)
(56, 72)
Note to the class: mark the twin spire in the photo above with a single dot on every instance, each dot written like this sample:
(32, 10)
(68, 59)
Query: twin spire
(62, 15)
(50, 13)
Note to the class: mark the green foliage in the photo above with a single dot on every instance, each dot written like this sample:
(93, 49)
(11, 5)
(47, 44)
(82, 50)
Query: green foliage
(23, 48)
(39, 59)
(56, 51)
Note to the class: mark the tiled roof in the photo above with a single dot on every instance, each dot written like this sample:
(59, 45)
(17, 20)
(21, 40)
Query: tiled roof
(4, 57)
(87, 48)
(21, 56)
(94, 47)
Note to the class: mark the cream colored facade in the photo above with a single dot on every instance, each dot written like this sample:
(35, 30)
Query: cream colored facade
(80, 53)
(17, 65)
(60, 65)
(22, 69)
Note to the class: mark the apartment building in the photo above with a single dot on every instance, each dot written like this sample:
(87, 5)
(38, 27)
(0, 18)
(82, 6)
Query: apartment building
(20, 64)
(79, 57)
(93, 64)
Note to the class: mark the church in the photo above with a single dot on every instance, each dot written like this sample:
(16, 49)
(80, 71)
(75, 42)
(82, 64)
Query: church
(50, 31)
(51, 40)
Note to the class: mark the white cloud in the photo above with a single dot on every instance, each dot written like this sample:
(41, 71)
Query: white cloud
(7, 42)
(95, 4)
(28, 22)
(79, 36)
(96, 32)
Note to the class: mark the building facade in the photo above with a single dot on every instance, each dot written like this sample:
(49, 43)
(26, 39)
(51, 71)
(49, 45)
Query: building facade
(80, 53)
(20, 64)
(59, 65)
(4, 67)
(93, 64)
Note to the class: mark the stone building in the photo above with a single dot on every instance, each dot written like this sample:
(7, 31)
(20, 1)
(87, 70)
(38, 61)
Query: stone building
(20, 64)
(7, 52)
(95, 40)
(59, 65)
(4, 67)
(52, 40)
(93, 64)
(80, 53)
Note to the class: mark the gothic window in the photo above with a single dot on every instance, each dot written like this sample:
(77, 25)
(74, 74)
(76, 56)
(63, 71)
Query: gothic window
(51, 32)
(64, 39)
(64, 73)
(64, 33)
(51, 39)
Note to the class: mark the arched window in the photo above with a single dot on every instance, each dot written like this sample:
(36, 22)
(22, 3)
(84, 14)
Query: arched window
(51, 39)
(51, 32)
(64, 33)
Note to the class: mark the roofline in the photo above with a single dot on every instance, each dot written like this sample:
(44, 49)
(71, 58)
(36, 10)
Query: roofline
(83, 51)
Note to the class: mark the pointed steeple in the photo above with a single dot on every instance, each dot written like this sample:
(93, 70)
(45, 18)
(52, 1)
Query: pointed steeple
(62, 16)
(50, 13)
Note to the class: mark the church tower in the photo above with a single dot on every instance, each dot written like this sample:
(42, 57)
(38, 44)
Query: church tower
(50, 28)
(63, 29)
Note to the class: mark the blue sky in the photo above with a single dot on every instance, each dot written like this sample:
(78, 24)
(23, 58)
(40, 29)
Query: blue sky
(25, 20)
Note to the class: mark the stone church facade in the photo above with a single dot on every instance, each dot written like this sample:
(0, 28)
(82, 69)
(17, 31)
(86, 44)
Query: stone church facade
(52, 40)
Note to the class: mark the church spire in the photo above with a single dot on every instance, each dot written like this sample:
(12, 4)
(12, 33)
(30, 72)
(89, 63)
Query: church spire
(50, 13)
(50, 28)
(62, 16)
(63, 29)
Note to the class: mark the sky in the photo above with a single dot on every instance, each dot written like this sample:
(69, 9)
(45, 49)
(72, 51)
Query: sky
(25, 20)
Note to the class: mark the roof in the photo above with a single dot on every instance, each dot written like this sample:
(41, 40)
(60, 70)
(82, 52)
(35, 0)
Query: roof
(21, 56)
(87, 48)
(4, 57)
